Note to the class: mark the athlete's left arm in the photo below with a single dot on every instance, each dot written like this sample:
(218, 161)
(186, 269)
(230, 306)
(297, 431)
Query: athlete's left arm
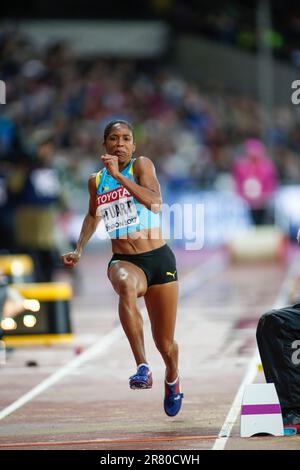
(147, 190)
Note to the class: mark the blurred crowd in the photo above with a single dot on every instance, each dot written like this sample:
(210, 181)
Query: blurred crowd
(58, 105)
(232, 22)
(182, 127)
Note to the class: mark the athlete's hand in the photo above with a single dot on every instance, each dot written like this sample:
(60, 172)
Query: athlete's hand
(70, 260)
(112, 164)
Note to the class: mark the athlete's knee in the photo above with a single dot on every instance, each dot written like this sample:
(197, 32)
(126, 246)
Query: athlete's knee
(165, 346)
(126, 287)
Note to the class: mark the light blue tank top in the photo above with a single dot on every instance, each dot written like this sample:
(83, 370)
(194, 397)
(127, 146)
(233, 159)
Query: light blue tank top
(121, 212)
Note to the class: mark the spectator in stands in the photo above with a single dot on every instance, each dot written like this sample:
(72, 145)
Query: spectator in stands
(256, 179)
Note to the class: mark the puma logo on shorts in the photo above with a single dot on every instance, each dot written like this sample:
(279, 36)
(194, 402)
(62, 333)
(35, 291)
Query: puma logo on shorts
(171, 274)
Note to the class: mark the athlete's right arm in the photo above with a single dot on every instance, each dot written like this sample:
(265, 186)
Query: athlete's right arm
(89, 226)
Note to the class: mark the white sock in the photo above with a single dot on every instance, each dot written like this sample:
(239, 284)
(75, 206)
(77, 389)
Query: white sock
(172, 383)
(143, 364)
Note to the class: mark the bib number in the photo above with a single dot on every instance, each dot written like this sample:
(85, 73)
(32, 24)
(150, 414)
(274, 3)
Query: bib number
(118, 209)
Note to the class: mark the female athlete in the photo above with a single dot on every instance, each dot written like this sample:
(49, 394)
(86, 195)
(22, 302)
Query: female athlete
(126, 195)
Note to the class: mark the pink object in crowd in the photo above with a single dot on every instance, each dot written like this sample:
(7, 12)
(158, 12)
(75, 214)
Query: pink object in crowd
(255, 174)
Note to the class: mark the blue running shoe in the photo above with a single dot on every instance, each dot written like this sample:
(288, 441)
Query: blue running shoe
(173, 398)
(142, 378)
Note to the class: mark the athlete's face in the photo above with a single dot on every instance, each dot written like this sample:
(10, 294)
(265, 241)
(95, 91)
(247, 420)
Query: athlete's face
(119, 142)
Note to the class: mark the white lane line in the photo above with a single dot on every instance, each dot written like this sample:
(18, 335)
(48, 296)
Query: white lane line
(251, 371)
(196, 278)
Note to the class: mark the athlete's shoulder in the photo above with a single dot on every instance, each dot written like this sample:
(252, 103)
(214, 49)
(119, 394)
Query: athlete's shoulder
(92, 177)
(143, 163)
(93, 182)
(142, 160)
(95, 178)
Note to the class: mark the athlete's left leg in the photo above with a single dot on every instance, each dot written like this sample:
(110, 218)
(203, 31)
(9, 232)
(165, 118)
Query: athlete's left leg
(161, 302)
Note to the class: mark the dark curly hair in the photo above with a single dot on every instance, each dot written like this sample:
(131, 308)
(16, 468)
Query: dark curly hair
(113, 123)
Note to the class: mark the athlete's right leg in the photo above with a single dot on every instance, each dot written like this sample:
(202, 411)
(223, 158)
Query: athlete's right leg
(130, 282)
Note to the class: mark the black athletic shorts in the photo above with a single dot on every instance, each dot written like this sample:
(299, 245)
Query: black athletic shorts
(159, 265)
